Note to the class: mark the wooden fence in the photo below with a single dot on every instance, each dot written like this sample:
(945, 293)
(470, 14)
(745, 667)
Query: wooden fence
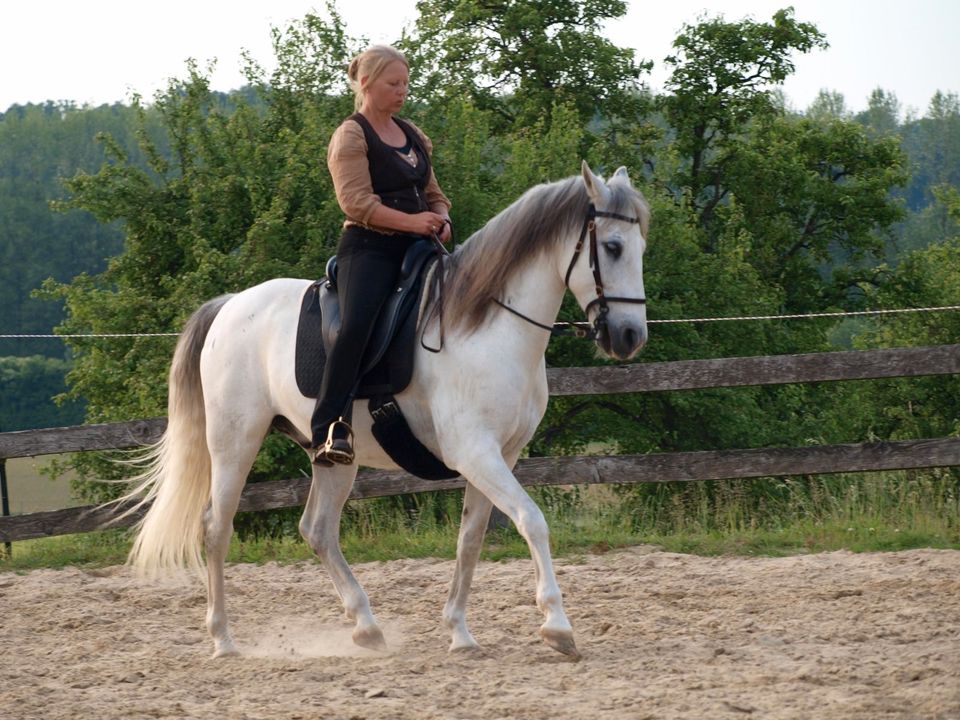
(622, 469)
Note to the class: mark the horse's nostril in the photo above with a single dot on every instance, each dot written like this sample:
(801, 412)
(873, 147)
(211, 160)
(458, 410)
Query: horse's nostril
(630, 338)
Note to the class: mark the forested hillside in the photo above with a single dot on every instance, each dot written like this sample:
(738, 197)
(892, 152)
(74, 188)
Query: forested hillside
(757, 207)
(40, 145)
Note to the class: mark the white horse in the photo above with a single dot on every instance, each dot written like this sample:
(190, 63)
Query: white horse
(475, 405)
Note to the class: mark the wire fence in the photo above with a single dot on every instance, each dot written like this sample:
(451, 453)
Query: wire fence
(671, 321)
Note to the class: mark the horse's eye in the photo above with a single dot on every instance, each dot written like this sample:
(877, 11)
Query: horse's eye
(614, 249)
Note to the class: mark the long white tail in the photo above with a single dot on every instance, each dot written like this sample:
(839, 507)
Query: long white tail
(176, 483)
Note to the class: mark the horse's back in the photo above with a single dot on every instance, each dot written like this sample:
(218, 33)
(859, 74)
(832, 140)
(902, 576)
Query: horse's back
(259, 308)
(250, 346)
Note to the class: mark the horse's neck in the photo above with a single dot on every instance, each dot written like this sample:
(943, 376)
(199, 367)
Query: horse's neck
(537, 292)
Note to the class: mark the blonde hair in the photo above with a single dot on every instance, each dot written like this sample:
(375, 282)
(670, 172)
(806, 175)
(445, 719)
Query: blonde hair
(370, 64)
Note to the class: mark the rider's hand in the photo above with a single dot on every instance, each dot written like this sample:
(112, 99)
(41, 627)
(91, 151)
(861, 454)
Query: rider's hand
(429, 223)
(446, 233)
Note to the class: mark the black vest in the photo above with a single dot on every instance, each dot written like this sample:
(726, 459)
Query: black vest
(399, 185)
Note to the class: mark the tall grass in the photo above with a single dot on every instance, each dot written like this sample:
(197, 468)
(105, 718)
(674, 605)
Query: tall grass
(866, 512)
(926, 501)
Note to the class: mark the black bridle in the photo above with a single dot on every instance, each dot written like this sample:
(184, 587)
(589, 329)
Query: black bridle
(602, 299)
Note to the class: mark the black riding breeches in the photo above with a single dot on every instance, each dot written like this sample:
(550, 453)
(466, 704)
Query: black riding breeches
(368, 266)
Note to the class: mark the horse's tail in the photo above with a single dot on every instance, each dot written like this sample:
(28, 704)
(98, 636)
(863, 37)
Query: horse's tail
(176, 482)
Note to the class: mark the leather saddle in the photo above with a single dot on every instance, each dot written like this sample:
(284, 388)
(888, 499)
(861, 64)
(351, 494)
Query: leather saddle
(387, 364)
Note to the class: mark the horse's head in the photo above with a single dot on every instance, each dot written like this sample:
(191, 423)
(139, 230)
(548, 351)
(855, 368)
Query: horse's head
(606, 271)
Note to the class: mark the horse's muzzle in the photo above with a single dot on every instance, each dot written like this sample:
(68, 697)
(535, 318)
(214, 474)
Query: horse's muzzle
(622, 341)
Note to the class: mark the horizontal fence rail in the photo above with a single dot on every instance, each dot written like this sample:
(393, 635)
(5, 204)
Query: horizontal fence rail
(577, 470)
(620, 469)
(766, 370)
(81, 438)
(603, 380)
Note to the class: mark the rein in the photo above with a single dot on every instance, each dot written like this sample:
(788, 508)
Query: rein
(441, 252)
(602, 299)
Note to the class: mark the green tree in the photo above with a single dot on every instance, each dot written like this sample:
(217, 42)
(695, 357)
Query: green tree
(720, 82)
(933, 144)
(234, 193)
(814, 198)
(882, 115)
(828, 105)
(803, 193)
(928, 277)
(755, 212)
(756, 206)
(930, 225)
(518, 59)
(27, 388)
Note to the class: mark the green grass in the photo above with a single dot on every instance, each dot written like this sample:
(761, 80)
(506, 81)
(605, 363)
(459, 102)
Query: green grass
(872, 512)
(801, 539)
(567, 539)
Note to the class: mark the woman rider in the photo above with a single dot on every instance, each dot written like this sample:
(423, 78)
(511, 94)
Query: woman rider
(385, 185)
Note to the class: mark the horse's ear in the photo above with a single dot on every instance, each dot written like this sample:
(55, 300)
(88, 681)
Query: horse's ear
(622, 175)
(596, 189)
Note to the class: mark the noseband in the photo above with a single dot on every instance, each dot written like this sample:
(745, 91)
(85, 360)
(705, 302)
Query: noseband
(602, 299)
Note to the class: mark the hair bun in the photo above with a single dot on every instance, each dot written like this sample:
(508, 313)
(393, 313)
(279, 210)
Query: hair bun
(353, 68)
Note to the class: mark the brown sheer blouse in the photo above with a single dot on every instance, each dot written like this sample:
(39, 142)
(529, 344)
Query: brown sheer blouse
(347, 160)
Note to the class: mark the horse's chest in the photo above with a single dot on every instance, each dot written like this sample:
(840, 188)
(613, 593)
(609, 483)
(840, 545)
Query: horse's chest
(519, 409)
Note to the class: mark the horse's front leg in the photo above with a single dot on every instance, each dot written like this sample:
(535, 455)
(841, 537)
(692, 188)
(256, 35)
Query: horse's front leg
(473, 526)
(320, 527)
(488, 472)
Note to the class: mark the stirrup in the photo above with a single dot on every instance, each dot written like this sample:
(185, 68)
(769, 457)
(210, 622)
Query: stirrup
(337, 450)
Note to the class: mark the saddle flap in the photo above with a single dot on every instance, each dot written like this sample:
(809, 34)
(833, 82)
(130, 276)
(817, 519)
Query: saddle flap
(402, 302)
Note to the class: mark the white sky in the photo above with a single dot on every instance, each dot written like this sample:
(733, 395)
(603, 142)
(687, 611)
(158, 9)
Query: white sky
(100, 51)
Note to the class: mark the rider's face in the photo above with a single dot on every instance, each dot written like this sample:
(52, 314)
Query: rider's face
(389, 91)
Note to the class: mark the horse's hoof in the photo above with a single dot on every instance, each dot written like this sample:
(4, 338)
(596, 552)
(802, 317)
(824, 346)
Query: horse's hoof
(370, 638)
(464, 646)
(225, 650)
(561, 641)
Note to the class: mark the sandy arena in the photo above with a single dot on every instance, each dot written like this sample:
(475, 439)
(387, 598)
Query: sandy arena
(667, 636)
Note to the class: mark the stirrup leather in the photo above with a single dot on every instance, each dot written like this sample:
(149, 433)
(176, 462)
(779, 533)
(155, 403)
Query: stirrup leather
(338, 450)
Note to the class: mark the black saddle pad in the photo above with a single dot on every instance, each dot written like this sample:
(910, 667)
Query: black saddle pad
(311, 357)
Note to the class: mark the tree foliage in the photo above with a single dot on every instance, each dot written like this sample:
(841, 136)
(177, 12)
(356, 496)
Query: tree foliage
(39, 146)
(720, 83)
(27, 386)
(519, 59)
(242, 195)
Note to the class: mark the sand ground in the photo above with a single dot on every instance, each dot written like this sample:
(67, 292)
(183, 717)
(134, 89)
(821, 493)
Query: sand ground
(834, 635)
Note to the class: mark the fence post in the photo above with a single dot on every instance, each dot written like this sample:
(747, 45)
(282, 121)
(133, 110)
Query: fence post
(6, 500)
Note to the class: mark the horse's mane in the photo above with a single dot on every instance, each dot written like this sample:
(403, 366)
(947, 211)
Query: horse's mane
(480, 268)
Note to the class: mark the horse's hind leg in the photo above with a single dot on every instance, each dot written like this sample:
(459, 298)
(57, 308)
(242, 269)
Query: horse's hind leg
(227, 484)
(473, 526)
(230, 466)
(320, 527)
